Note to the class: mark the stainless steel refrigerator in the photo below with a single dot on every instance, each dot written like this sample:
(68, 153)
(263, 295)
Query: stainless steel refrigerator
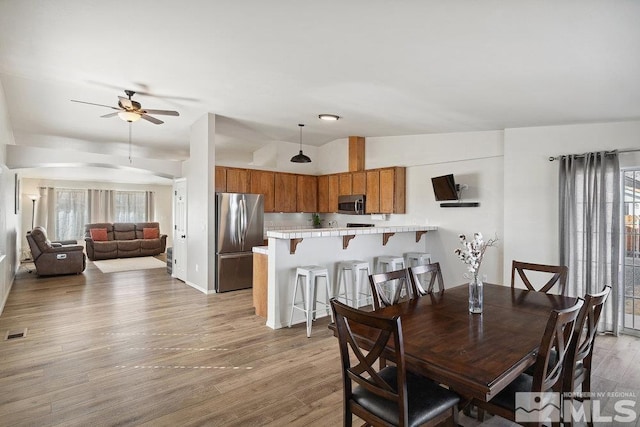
(239, 227)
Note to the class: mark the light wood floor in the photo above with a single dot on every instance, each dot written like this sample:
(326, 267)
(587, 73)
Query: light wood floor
(140, 348)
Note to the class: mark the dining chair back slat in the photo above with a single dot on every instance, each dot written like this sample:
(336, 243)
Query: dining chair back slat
(418, 275)
(559, 276)
(391, 287)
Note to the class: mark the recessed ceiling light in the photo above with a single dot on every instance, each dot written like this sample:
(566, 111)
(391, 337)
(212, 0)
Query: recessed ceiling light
(329, 117)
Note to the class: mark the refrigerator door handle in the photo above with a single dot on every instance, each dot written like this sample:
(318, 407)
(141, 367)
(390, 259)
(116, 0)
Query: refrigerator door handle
(242, 219)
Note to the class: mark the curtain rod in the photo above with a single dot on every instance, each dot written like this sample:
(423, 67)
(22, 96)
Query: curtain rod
(606, 153)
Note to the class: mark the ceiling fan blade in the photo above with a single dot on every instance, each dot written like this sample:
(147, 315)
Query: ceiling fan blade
(162, 112)
(92, 103)
(125, 102)
(152, 119)
(109, 115)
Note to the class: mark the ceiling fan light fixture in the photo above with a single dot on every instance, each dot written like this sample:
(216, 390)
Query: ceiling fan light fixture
(300, 157)
(329, 117)
(129, 116)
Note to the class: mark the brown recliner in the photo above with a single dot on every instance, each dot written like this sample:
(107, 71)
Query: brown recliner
(52, 258)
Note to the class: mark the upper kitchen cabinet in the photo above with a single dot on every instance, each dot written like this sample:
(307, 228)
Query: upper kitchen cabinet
(263, 182)
(373, 191)
(392, 190)
(344, 188)
(307, 193)
(386, 190)
(285, 185)
(359, 182)
(334, 191)
(238, 180)
(323, 194)
(221, 179)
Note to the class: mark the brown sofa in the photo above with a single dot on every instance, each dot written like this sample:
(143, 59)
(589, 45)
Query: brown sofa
(124, 240)
(53, 258)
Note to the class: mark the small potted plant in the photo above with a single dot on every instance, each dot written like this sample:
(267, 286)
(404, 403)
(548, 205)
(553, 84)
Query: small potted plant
(315, 219)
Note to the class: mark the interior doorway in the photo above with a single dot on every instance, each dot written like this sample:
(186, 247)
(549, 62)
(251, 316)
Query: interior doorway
(631, 250)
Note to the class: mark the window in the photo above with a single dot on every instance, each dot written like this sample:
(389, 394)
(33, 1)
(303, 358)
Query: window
(71, 214)
(130, 206)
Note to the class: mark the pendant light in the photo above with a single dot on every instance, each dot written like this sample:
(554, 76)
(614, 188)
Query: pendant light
(300, 157)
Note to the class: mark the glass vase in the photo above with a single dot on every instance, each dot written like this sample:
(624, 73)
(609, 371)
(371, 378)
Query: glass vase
(475, 295)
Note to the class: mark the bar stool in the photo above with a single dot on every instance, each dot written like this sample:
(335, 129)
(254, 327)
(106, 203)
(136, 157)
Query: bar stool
(389, 263)
(359, 285)
(413, 259)
(309, 290)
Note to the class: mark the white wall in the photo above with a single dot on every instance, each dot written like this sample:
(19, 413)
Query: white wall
(8, 219)
(531, 182)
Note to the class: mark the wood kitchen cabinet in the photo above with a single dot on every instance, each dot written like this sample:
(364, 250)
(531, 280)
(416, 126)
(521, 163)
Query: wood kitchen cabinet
(323, 194)
(238, 180)
(220, 179)
(386, 190)
(285, 189)
(307, 193)
(260, 283)
(373, 191)
(358, 182)
(392, 190)
(344, 188)
(334, 191)
(263, 182)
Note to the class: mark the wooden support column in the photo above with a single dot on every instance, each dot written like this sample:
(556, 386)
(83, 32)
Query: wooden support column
(356, 153)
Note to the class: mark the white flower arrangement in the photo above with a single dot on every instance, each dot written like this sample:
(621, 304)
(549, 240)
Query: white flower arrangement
(472, 252)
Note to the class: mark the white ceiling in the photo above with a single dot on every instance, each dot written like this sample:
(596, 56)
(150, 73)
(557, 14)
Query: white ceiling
(387, 68)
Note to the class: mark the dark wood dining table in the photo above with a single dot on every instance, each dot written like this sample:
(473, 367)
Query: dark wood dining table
(477, 355)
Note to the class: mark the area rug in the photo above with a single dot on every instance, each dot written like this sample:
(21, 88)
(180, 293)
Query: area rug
(128, 264)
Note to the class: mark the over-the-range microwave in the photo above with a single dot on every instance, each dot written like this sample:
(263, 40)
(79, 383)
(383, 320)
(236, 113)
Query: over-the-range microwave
(352, 205)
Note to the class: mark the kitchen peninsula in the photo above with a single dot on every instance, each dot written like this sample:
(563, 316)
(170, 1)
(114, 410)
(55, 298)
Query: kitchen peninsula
(289, 249)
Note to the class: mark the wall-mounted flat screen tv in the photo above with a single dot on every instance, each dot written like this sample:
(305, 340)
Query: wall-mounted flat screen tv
(444, 187)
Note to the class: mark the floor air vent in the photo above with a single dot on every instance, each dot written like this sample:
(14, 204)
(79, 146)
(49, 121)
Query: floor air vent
(12, 335)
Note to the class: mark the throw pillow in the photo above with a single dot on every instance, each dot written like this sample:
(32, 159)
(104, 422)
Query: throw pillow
(150, 233)
(98, 234)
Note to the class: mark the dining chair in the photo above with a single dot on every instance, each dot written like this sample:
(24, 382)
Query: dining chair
(548, 369)
(390, 396)
(391, 287)
(577, 370)
(435, 274)
(559, 275)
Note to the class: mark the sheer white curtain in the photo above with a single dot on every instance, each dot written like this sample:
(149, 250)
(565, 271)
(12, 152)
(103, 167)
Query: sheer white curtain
(590, 227)
(70, 214)
(133, 206)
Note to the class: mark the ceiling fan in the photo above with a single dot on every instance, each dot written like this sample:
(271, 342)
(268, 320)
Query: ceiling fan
(131, 111)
